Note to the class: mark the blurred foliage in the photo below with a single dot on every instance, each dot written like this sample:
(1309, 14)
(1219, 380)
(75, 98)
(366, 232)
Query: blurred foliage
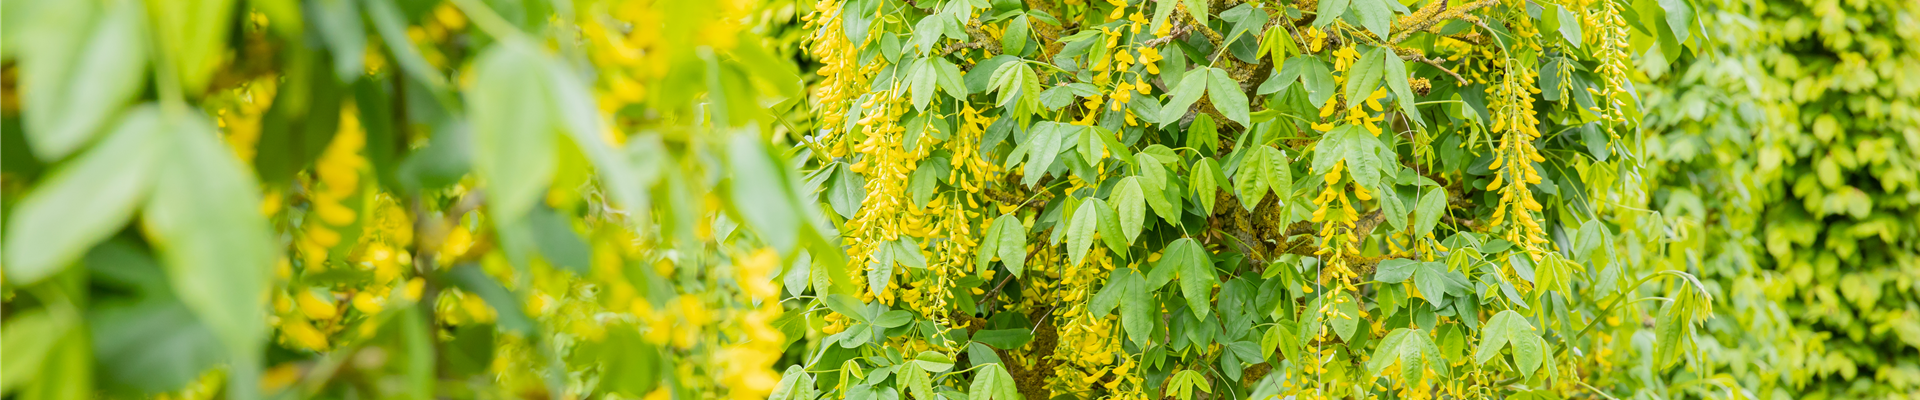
(1786, 160)
(398, 199)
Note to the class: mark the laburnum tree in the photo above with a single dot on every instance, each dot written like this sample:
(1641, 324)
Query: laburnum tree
(1201, 199)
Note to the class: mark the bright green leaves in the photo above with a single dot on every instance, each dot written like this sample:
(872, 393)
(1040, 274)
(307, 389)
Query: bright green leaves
(922, 83)
(192, 36)
(1365, 74)
(1221, 89)
(1262, 168)
(1130, 203)
(992, 382)
(1043, 145)
(846, 190)
(1086, 220)
(1227, 96)
(32, 336)
(1508, 327)
(1396, 73)
(85, 200)
(1007, 239)
(1374, 15)
(217, 248)
(1191, 86)
(1365, 155)
(1018, 89)
(895, 252)
(1673, 329)
(1329, 11)
(82, 66)
(1190, 261)
(514, 145)
(1202, 183)
(1127, 290)
(1413, 351)
(1182, 385)
(1430, 278)
(1428, 211)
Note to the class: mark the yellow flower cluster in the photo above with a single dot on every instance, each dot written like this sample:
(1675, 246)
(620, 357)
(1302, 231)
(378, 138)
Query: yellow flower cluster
(1609, 30)
(1513, 159)
(748, 372)
(623, 53)
(886, 161)
(1087, 345)
(844, 77)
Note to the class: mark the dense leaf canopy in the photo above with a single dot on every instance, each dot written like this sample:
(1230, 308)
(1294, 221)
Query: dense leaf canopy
(960, 199)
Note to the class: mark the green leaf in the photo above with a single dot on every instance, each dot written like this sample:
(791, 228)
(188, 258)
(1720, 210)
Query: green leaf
(1506, 327)
(1043, 145)
(1129, 203)
(1316, 77)
(1276, 173)
(1153, 185)
(1109, 296)
(1365, 75)
(31, 335)
(1202, 183)
(761, 193)
(1004, 339)
(1203, 134)
(152, 345)
(1161, 11)
(992, 382)
(1138, 309)
(1190, 260)
(192, 35)
(1430, 278)
(922, 83)
(1080, 231)
(1427, 213)
(915, 381)
(204, 219)
(1012, 246)
(892, 319)
(1393, 209)
(846, 305)
(1349, 320)
(1227, 96)
(933, 361)
(1529, 352)
(847, 191)
(1396, 74)
(989, 247)
(1014, 39)
(906, 251)
(1569, 25)
(950, 78)
(84, 200)
(1395, 270)
(1329, 11)
(1110, 231)
(82, 67)
(1188, 91)
(880, 273)
(513, 143)
(1249, 181)
(794, 384)
(1181, 385)
(1374, 15)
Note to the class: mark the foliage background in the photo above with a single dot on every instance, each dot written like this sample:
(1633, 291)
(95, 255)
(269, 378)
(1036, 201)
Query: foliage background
(960, 199)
